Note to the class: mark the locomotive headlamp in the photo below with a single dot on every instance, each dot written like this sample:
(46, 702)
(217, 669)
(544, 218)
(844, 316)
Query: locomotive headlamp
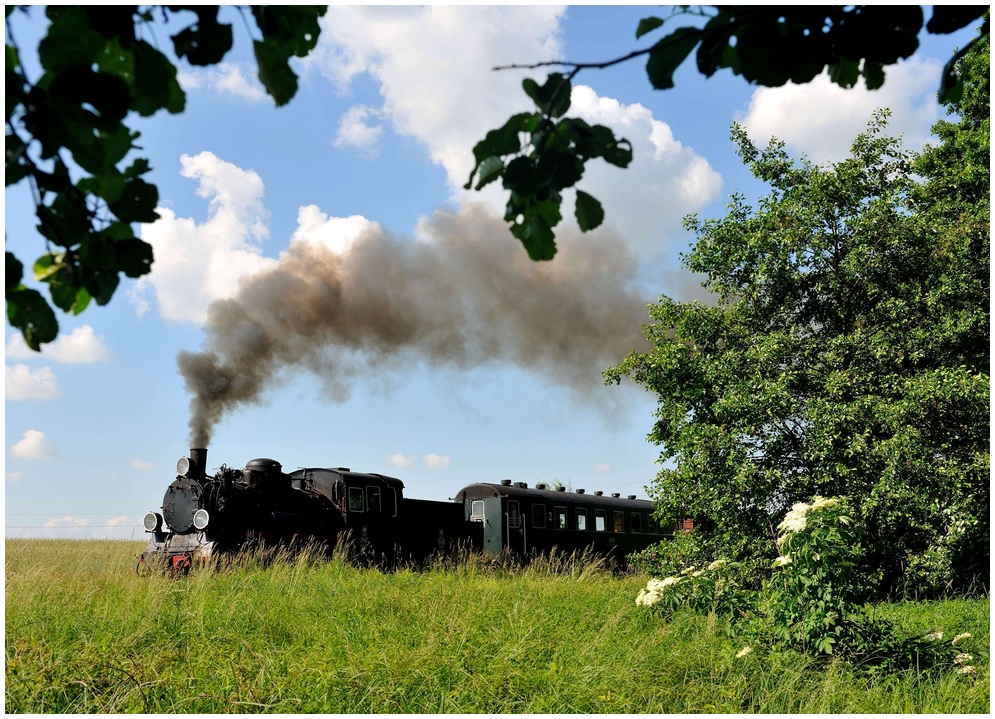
(184, 466)
(152, 521)
(201, 518)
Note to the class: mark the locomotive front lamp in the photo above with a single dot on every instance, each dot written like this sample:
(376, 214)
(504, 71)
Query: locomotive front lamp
(183, 466)
(152, 521)
(201, 518)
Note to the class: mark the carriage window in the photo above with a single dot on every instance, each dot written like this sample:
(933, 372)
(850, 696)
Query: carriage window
(599, 520)
(561, 517)
(514, 515)
(390, 501)
(355, 499)
(538, 515)
(477, 511)
(652, 524)
(582, 519)
(619, 521)
(373, 499)
(637, 522)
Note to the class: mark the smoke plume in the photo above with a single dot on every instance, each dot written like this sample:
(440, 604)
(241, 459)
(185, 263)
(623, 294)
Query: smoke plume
(465, 297)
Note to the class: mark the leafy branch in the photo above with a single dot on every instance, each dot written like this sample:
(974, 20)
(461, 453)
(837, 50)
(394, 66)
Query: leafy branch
(538, 155)
(65, 134)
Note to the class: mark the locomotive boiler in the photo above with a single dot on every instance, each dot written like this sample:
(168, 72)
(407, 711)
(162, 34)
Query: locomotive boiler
(203, 515)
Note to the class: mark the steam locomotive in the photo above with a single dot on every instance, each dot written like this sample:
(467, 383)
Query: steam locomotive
(205, 515)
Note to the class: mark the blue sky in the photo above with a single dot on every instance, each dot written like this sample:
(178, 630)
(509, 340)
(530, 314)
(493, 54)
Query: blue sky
(376, 143)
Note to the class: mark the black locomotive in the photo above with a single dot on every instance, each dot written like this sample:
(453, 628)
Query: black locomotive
(207, 515)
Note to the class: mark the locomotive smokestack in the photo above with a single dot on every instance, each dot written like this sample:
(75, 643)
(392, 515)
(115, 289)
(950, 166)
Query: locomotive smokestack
(199, 459)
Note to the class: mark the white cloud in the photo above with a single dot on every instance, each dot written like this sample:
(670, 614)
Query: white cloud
(33, 445)
(80, 346)
(436, 461)
(821, 119)
(450, 105)
(602, 467)
(354, 132)
(400, 460)
(198, 263)
(14, 476)
(115, 521)
(665, 180)
(225, 79)
(66, 521)
(434, 64)
(141, 465)
(336, 233)
(23, 383)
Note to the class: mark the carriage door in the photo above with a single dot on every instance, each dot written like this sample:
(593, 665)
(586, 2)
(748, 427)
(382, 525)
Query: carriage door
(515, 530)
(488, 512)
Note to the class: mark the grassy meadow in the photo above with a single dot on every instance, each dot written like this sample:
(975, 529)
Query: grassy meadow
(84, 633)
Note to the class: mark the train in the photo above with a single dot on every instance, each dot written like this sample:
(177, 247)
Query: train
(203, 516)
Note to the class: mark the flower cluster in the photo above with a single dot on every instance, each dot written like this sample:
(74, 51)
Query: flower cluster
(961, 638)
(654, 591)
(796, 520)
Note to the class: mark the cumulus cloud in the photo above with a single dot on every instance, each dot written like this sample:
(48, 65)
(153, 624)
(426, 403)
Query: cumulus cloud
(449, 106)
(33, 445)
(23, 383)
(198, 263)
(66, 521)
(224, 79)
(354, 130)
(14, 476)
(821, 119)
(141, 465)
(433, 65)
(436, 461)
(400, 460)
(602, 467)
(665, 181)
(80, 346)
(336, 233)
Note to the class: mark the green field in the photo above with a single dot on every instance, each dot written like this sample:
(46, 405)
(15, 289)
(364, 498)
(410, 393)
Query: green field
(85, 634)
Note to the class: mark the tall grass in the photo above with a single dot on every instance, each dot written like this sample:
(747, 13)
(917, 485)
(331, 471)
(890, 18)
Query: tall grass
(277, 633)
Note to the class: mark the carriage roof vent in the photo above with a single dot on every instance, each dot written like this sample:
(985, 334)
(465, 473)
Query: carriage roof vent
(598, 493)
(616, 495)
(342, 469)
(631, 496)
(561, 488)
(580, 491)
(522, 485)
(505, 482)
(540, 486)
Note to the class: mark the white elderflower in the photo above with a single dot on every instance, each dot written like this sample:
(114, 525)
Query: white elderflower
(963, 658)
(716, 564)
(658, 585)
(698, 573)
(823, 502)
(794, 521)
(935, 636)
(961, 638)
(782, 561)
(743, 652)
(688, 571)
(966, 670)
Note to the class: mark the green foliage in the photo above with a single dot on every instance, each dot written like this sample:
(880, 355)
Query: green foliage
(847, 355)
(84, 634)
(66, 136)
(813, 604)
(537, 155)
(766, 45)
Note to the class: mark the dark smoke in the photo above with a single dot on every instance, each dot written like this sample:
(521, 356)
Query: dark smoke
(468, 297)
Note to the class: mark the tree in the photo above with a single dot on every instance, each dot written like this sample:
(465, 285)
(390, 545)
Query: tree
(66, 136)
(847, 354)
(538, 155)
